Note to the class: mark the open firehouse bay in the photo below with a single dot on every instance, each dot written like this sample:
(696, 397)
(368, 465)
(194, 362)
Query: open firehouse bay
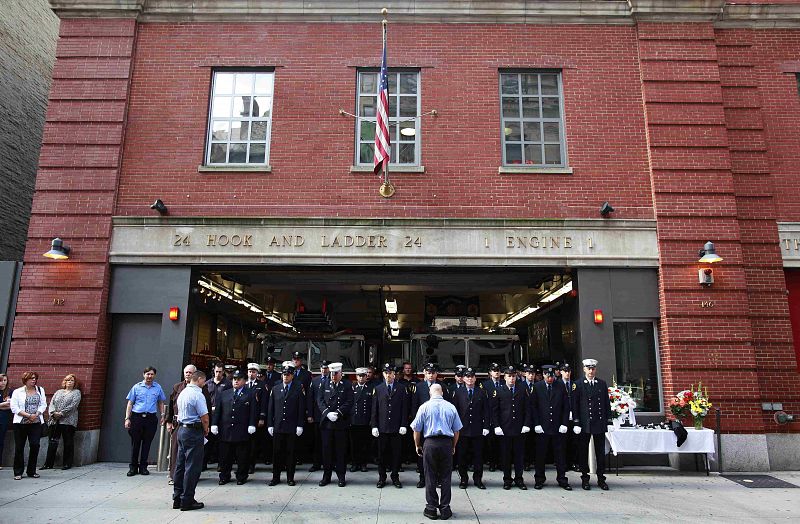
(367, 315)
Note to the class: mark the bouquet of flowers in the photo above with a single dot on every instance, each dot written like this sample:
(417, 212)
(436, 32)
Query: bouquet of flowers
(692, 401)
(622, 404)
(679, 404)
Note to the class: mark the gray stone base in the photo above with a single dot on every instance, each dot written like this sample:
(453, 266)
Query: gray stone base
(784, 451)
(86, 444)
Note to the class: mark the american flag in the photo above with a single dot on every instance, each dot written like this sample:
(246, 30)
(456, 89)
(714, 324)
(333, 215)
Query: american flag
(382, 143)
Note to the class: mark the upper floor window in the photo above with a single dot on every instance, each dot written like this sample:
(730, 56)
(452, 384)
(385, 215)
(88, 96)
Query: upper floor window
(404, 106)
(532, 119)
(241, 118)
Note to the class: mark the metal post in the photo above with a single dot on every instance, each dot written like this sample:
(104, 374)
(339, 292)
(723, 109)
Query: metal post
(718, 431)
(162, 463)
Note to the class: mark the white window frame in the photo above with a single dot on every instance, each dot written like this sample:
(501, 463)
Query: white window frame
(541, 120)
(658, 363)
(230, 119)
(393, 121)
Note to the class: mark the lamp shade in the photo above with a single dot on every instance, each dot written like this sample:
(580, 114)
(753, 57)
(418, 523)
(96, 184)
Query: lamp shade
(709, 254)
(58, 250)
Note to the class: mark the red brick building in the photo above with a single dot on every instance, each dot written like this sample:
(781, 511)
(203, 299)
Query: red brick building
(684, 118)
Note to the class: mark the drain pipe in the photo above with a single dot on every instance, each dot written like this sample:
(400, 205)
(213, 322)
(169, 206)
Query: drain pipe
(719, 440)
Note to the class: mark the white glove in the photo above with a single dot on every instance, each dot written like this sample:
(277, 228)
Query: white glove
(333, 417)
(485, 432)
(271, 431)
(251, 429)
(525, 429)
(403, 430)
(375, 432)
(214, 430)
(576, 430)
(299, 431)
(562, 429)
(539, 429)
(498, 432)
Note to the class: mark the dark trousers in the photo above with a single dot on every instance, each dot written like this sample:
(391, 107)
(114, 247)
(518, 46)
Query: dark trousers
(32, 433)
(211, 453)
(408, 448)
(530, 447)
(56, 433)
(437, 463)
(543, 441)
(491, 445)
(334, 452)
(230, 451)
(283, 457)
(599, 451)
(571, 445)
(5, 425)
(256, 447)
(143, 429)
(306, 445)
(188, 465)
(173, 451)
(317, 444)
(512, 449)
(360, 445)
(389, 448)
(470, 448)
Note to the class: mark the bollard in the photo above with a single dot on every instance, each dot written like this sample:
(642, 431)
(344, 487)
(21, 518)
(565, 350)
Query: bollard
(718, 431)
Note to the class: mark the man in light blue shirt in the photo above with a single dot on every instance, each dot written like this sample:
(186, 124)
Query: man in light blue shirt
(145, 404)
(193, 426)
(437, 421)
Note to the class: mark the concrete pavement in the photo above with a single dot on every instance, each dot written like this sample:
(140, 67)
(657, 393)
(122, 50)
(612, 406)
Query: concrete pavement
(102, 493)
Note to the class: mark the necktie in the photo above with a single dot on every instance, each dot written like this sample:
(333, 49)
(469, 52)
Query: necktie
(390, 389)
(512, 391)
(549, 391)
(470, 395)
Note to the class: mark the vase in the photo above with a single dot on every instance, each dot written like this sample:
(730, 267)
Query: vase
(698, 423)
(617, 422)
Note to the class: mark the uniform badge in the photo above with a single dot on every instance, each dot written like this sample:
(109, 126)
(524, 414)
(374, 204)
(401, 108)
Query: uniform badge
(494, 393)
(574, 386)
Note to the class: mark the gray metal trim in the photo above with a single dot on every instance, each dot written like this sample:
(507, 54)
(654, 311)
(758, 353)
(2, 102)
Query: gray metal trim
(5, 343)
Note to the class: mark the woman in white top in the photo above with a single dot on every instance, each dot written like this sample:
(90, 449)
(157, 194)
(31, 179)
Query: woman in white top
(27, 404)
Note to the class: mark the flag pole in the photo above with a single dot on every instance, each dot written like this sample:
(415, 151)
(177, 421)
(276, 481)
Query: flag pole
(387, 189)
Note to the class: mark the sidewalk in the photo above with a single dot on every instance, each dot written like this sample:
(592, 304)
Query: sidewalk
(102, 493)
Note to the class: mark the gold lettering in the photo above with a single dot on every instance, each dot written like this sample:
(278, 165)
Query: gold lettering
(248, 240)
(324, 241)
(212, 240)
(274, 242)
(381, 241)
(236, 240)
(223, 240)
(555, 241)
(522, 242)
(534, 241)
(181, 240)
(567, 242)
(486, 241)
(589, 240)
(371, 241)
(287, 241)
(335, 242)
(509, 242)
(58, 301)
(795, 244)
(299, 240)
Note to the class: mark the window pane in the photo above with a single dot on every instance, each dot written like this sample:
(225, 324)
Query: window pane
(408, 127)
(240, 130)
(223, 83)
(530, 107)
(509, 84)
(238, 154)
(530, 84)
(263, 84)
(510, 107)
(533, 132)
(366, 154)
(221, 106)
(513, 154)
(552, 154)
(533, 154)
(551, 131)
(549, 84)
(550, 107)
(258, 130)
(408, 83)
(392, 106)
(512, 132)
(218, 152)
(262, 106)
(408, 106)
(369, 83)
(406, 153)
(366, 106)
(392, 78)
(244, 84)
(634, 345)
(367, 130)
(257, 153)
(241, 106)
(220, 130)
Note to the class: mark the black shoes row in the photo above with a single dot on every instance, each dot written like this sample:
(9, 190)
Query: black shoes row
(395, 482)
(64, 467)
(141, 471)
(176, 504)
(465, 482)
(443, 514)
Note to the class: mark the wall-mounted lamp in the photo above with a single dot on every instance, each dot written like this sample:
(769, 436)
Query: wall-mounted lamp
(598, 316)
(606, 209)
(58, 250)
(391, 305)
(708, 255)
(394, 323)
(159, 206)
(395, 332)
(174, 313)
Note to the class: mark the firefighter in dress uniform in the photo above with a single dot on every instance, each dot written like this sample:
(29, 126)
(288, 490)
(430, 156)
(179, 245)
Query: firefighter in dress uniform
(472, 404)
(335, 400)
(550, 416)
(360, 440)
(511, 420)
(286, 413)
(491, 385)
(592, 415)
(314, 415)
(390, 407)
(234, 422)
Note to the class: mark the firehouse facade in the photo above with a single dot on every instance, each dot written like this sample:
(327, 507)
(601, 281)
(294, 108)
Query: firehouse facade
(512, 124)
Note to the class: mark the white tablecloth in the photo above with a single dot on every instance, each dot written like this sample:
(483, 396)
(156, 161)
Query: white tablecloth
(659, 441)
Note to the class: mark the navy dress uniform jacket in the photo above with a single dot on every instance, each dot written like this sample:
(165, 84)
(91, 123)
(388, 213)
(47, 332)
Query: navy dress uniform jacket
(285, 412)
(592, 406)
(304, 377)
(362, 404)
(336, 398)
(509, 412)
(313, 408)
(550, 413)
(420, 394)
(389, 412)
(475, 414)
(234, 413)
(272, 377)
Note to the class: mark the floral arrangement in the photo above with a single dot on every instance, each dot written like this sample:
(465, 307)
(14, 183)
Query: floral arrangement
(692, 401)
(622, 403)
(679, 404)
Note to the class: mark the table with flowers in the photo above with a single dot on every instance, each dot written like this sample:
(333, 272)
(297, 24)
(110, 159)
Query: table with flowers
(656, 441)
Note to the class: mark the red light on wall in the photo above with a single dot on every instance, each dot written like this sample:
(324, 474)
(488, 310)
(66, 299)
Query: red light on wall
(598, 316)
(174, 313)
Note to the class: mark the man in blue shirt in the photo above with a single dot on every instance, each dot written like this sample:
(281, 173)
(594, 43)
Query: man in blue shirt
(437, 421)
(192, 429)
(145, 404)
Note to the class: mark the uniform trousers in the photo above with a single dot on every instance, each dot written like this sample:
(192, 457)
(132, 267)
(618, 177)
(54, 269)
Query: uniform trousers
(466, 449)
(360, 445)
(571, 444)
(334, 452)
(512, 450)
(543, 441)
(437, 463)
(283, 457)
(188, 465)
(143, 429)
(33, 434)
(317, 444)
(530, 448)
(491, 445)
(230, 451)
(599, 452)
(256, 448)
(173, 451)
(389, 450)
(211, 453)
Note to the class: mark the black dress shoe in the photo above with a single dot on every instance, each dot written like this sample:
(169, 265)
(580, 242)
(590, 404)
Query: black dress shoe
(421, 483)
(66, 467)
(396, 483)
(479, 484)
(380, 484)
(462, 484)
(342, 483)
(402, 469)
(538, 485)
(528, 467)
(222, 482)
(312, 469)
(144, 472)
(445, 513)
(324, 482)
(506, 485)
(194, 505)
(176, 503)
(353, 468)
(132, 472)
(273, 482)
(585, 485)
(603, 485)
(46, 467)
(566, 487)
(291, 482)
(252, 470)
(521, 484)
(363, 467)
(431, 514)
